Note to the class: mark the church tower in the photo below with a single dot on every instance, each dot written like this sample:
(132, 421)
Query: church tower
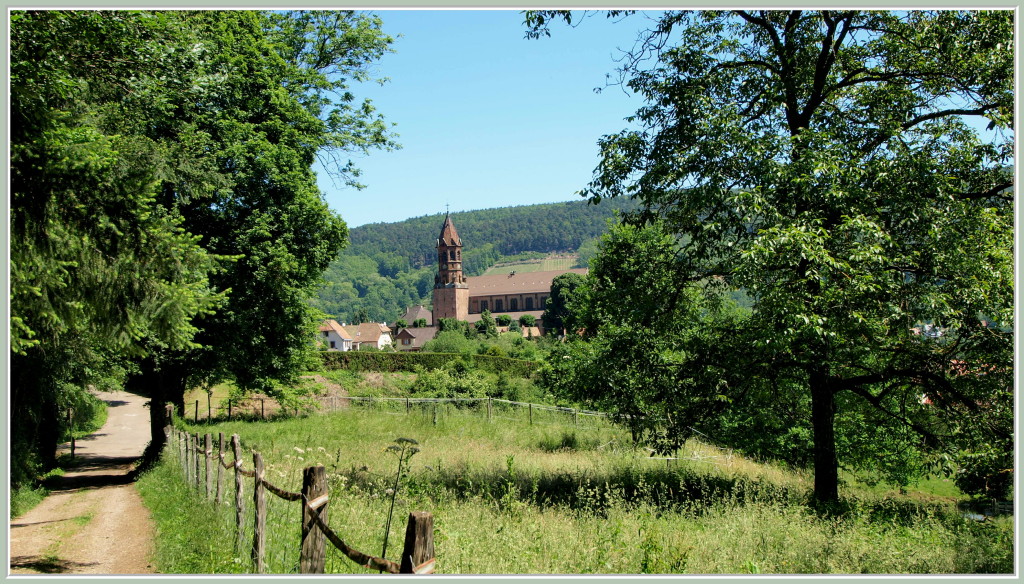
(451, 292)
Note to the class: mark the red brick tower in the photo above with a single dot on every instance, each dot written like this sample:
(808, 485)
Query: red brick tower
(451, 292)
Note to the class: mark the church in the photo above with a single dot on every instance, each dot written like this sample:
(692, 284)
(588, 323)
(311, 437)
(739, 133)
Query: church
(466, 298)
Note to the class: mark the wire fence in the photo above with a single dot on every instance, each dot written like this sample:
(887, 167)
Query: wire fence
(442, 409)
(439, 409)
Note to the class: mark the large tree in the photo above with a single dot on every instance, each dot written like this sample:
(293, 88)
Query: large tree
(659, 372)
(98, 269)
(165, 216)
(831, 165)
(279, 96)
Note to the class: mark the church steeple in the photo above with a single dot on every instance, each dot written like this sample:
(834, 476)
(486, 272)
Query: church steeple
(451, 291)
(449, 256)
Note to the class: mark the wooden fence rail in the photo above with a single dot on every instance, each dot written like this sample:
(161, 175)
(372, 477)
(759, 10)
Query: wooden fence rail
(195, 455)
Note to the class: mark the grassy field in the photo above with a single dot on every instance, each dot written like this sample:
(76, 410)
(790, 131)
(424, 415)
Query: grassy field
(509, 497)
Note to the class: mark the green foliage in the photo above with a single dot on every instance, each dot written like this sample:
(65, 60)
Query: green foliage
(163, 200)
(486, 327)
(653, 361)
(836, 180)
(408, 361)
(450, 341)
(527, 320)
(557, 316)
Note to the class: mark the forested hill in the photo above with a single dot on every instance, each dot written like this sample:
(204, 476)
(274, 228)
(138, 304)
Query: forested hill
(390, 266)
(545, 228)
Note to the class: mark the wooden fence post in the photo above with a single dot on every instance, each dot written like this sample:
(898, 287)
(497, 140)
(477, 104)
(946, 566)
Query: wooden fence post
(259, 499)
(181, 454)
(209, 407)
(229, 409)
(220, 467)
(187, 438)
(418, 553)
(263, 413)
(314, 494)
(236, 446)
(531, 414)
(196, 444)
(197, 411)
(488, 409)
(207, 453)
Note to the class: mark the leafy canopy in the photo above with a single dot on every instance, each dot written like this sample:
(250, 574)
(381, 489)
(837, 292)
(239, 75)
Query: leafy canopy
(825, 163)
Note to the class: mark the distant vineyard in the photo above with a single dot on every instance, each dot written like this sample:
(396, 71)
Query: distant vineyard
(554, 262)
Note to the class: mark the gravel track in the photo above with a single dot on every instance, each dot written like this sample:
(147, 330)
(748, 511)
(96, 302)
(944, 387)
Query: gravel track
(93, 522)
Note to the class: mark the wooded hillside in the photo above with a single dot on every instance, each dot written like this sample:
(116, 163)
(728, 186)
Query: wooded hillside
(390, 266)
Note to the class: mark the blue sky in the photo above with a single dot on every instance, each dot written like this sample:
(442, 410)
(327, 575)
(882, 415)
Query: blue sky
(486, 117)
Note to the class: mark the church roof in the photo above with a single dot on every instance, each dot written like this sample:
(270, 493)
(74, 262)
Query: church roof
(414, 313)
(515, 282)
(448, 234)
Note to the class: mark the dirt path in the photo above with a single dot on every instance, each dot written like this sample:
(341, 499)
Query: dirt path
(94, 521)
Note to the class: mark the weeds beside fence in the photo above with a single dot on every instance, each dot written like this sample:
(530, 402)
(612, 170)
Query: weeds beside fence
(195, 455)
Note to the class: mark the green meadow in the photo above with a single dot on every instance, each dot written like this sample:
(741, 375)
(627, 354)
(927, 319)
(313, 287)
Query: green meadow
(551, 497)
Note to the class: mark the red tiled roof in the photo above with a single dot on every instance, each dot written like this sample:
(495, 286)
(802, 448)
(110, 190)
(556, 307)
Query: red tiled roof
(332, 325)
(518, 283)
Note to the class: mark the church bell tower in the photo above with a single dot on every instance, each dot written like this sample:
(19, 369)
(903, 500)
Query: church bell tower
(451, 292)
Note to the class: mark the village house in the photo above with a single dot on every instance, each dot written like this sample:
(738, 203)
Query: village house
(413, 338)
(369, 334)
(335, 337)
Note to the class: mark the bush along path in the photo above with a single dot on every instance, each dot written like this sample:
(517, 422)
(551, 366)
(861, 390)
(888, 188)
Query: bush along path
(93, 522)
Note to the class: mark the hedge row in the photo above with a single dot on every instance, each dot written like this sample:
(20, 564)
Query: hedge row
(399, 361)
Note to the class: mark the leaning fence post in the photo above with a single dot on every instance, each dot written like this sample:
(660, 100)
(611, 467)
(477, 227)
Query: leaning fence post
(314, 496)
(239, 500)
(207, 452)
(220, 467)
(418, 553)
(259, 499)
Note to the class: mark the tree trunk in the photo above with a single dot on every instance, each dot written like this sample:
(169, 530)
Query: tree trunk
(164, 383)
(823, 414)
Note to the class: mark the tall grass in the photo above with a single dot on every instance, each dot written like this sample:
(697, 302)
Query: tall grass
(511, 498)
